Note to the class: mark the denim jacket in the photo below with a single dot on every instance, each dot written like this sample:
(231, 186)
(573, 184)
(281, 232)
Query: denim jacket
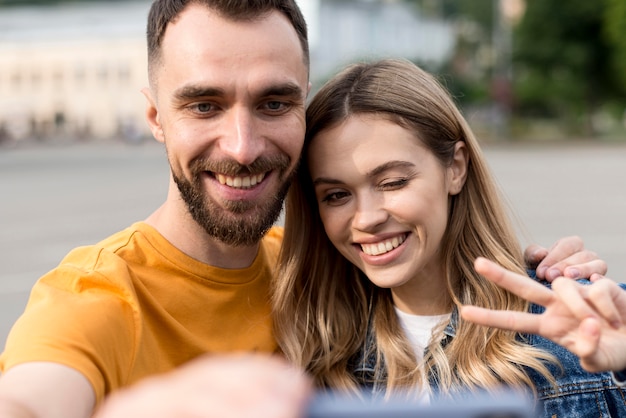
(578, 393)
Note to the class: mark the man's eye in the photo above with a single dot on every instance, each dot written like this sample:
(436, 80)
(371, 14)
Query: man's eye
(203, 107)
(275, 105)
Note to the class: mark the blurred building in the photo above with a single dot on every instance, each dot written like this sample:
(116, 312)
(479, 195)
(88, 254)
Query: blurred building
(344, 31)
(76, 70)
(73, 71)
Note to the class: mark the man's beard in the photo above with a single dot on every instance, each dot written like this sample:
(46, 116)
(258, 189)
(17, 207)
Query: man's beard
(231, 225)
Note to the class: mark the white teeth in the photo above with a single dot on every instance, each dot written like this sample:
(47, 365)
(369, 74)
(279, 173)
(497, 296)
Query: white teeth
(241, 182)
(383, 246)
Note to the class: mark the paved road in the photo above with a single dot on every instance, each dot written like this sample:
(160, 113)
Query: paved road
(56, 198)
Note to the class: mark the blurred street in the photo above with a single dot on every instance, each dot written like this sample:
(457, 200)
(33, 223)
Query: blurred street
(57, 197)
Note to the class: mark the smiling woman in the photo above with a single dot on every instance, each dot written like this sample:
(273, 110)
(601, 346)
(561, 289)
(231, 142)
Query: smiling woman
(393, 203)
(374, 195)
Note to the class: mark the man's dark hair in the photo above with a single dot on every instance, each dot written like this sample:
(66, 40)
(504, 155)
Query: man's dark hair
(163, 12)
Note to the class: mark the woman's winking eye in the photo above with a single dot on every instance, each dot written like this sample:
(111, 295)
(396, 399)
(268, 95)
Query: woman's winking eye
(393, 184)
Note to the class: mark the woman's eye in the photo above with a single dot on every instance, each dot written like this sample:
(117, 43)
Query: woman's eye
(394, 184)
(335, 197)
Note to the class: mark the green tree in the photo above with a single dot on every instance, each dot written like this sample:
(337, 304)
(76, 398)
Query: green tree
(563, 61)
(615, 18)
(479, 11)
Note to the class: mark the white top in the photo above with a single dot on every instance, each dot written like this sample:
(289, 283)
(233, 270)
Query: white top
(419, 329)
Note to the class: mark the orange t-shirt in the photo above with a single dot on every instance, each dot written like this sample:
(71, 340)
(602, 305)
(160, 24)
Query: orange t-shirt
(134, 305)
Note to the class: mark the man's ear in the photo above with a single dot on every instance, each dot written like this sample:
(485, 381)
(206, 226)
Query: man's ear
(458, 169)
(152, 115)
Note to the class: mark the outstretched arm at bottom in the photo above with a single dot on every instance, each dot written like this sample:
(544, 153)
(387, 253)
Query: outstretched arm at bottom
(33, 390)
(216, 386)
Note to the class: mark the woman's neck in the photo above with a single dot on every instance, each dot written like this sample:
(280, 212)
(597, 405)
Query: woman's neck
(424, 295)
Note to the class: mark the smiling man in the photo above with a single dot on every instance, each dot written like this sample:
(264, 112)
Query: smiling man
(228, 85)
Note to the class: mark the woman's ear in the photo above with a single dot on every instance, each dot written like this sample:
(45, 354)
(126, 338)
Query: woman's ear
(152, 115)
(458, 169)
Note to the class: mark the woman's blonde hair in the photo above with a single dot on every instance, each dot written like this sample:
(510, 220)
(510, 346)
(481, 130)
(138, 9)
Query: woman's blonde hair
(325, 306)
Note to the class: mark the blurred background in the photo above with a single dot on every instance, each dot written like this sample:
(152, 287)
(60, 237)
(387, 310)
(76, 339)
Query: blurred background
(521, 69)
(542, 82)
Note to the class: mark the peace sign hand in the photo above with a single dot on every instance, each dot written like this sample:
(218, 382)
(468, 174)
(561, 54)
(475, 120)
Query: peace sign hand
(588, 320)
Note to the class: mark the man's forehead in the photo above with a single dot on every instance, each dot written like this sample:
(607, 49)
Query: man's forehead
(208, 51)
(200, 27)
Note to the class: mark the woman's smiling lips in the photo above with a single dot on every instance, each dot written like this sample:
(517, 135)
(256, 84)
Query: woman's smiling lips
(383, 246)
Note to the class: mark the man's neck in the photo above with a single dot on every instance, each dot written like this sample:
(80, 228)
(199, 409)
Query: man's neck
(179, 228)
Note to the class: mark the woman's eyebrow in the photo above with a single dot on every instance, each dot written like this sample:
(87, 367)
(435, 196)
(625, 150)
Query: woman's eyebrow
(325, 180)
(389, 165)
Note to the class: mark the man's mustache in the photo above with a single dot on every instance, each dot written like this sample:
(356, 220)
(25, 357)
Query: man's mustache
(233, 168)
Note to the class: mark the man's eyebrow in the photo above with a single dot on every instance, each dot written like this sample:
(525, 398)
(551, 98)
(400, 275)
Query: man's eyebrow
(193, 92)
(285, 90)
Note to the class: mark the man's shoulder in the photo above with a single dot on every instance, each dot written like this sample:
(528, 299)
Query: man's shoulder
(113, 242)
(108, 257)
(130, 236)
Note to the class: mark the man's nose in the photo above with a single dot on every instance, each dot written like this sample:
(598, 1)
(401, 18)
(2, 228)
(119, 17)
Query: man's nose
(242, 140)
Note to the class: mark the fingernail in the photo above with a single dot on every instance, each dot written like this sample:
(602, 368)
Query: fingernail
(595, 277)
(541, 271)
(572, 273)
(553, 273)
